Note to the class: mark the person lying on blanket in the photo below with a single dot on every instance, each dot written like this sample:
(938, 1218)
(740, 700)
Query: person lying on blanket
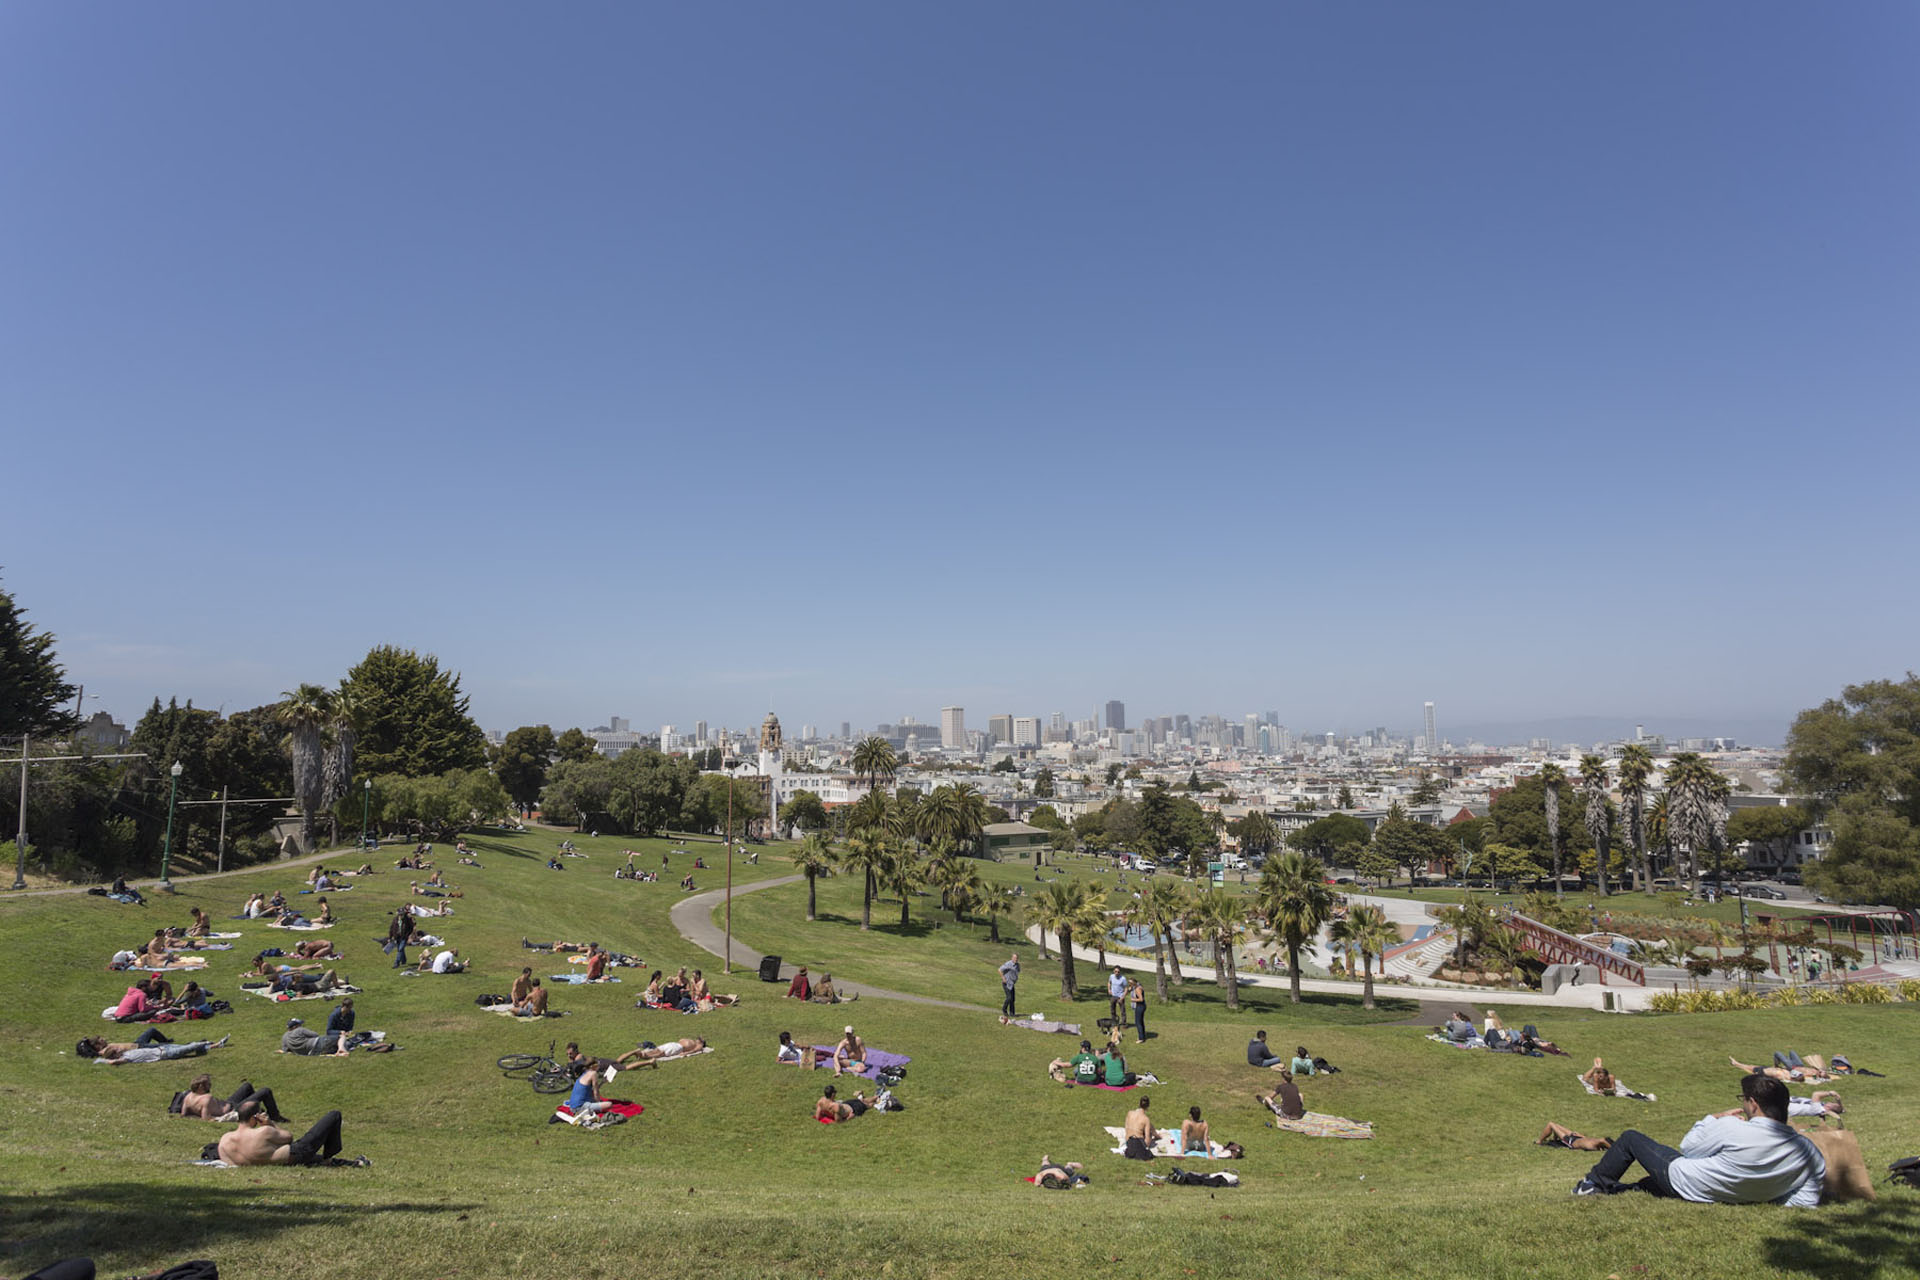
(200, 1102)
(1793, 1071)
(1821, 1102)
(1558, 1135)
(150, 1047)
(585, 1100)
(1285, 1100)
(535, 1005)
(830, 1107)
(257, 1142)
(314, 949)
(662, 1052)
(1059, 1177)
(1599, 1079)
(556, 946)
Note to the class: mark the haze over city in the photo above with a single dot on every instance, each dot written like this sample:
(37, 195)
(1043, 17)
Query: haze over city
(679, 363)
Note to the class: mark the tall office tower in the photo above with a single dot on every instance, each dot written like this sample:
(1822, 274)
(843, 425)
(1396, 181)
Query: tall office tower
(699, 733)
(1272, 717)
(1183, 726)
(953, 728)
(617, 723)
(668, 739)
(1026, 731)
(1116, 714)
(1433, 736)
(999, 729)
(1059, 722)
(846, 731)
(807, 733)
(1250, 733)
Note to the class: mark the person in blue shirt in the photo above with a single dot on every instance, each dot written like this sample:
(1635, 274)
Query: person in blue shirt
(1259, 1055)
(340, 1021)
(585, 1100)
(1748, 1155)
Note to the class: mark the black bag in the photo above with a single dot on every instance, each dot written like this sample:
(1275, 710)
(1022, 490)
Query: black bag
(769, 968)
(486, 1001)
(1905, 1170)
(199, 1269)
(1181, 1178)
(173, 1108)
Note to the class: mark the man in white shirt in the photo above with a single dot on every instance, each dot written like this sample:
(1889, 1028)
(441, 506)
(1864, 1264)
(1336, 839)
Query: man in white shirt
(1749, 1155)
(448, 961)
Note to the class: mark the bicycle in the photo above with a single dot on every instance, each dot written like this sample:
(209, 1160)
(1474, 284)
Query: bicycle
(542, 1071)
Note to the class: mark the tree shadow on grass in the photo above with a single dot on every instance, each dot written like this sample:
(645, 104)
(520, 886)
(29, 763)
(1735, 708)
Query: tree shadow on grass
(497, 847)
(1858, 1242)
(168, 1222)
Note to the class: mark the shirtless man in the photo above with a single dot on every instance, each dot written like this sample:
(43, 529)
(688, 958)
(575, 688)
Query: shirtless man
(1059, 1176)
(315, 949)
(202, 1103)
(535, 1005)
(202, 924)
(120, 1055)
(663, 1052)
(851, 1050)
(829, 1107)
(522, 987)
(1138, 1132)
(703, 995)
(258, 1142)
(1789, 1075)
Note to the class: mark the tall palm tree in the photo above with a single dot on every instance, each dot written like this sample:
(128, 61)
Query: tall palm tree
(1551, 778)
(1636, 767)
(866, 853)
(1294, 898)
(964, 891)
(1063, 909)
(969, 815)
(1161, 902)
(1223, 917)
(814, 857)
(1367, 930)
(1693, 792)
(997, 900)
(1659, 830)
(902, 875)
(869, 812)
(306, 712)
(1599, 819)
(874, 761)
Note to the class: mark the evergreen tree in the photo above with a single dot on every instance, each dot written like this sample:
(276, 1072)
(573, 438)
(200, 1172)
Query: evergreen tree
(34, 692)
(412, 716)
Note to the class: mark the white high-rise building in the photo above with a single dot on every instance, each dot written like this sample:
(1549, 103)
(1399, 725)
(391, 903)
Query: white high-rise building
(953, 728)
(699, 733)
(668, 738)
(1026, 731)
(1433, 733)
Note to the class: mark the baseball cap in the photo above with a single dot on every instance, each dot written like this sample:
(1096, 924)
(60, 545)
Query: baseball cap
(295, 1022)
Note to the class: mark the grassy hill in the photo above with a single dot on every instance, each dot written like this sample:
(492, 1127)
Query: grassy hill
(724, 1175)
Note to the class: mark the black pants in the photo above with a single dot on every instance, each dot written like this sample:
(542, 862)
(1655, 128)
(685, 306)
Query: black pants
(1628, 1148)
(322, 1142)
(247, 1093)
(1138, 1150)
(150, 1036)
(1006, 1006)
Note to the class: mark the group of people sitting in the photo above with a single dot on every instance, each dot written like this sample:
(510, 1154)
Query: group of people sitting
(294, 979)
(1494, 1035)
(152, 999)
(803, 987)
(257, 1138)
(1301, 1064)
(1138, 1137)
(1107, 1067)
(850, 1054)
(683, 992)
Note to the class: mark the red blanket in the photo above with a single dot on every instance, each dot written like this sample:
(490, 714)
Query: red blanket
(628, 1109)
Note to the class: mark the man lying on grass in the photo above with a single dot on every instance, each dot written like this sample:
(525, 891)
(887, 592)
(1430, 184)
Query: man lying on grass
(258, 1142)
(1747, 1155)
(829, 1107)
(150, 1047)
(200, 1102)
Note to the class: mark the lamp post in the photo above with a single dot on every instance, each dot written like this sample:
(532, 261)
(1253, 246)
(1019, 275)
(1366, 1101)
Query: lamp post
(366, 804)
(20, 841)
(727, 960)
(166, 849)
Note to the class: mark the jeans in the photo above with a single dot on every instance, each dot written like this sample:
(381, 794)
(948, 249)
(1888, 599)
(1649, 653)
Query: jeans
(1629, 1147)
(322, 1142)
(399, 954)
(1006, 1006)
(150, 1036)
(1140, 1021)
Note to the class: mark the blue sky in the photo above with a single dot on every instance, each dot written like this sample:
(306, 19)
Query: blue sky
(675, 361)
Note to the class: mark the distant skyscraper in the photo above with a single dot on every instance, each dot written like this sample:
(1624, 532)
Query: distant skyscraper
(1059, 721)
(999, 729)
(1433, 734)
(699, 733)
(617, 723)
(1026, 731)
(953, 728)
(846, 731)
(1116, 715)
(1183, 727)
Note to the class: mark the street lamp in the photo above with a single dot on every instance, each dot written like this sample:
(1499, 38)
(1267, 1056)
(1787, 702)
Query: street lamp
(20, 841)
(166, 850)
(366, 803)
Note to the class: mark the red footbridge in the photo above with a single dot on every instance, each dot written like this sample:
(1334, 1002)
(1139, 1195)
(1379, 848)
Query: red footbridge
(1555, 947)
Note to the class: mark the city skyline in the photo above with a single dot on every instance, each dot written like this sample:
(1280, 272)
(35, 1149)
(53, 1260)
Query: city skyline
(1340, 358)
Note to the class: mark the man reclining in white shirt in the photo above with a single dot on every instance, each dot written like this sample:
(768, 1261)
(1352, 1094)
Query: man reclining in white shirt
(1749, 1155)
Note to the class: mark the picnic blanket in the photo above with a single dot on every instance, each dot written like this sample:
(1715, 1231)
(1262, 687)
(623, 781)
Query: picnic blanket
(1620, 1090)
(625, 1110)
(205, 946)
(576, 979)
(615, 962)
(1036, 1023)
(220, 935)
(876, 1060)
(1166, 1142)
(506, 1011)
(281, 997)
(1315, 1124)
(1475, 1043)
(305, 926)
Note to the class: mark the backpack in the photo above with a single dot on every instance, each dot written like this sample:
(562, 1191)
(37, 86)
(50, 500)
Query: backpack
(885, 1101)
(484, 1001)
(887, 1077)
(1905, 1171)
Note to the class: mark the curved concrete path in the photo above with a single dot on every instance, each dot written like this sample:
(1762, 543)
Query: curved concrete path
(693, 917)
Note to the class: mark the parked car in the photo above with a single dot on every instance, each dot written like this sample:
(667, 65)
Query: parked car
(1762, 891)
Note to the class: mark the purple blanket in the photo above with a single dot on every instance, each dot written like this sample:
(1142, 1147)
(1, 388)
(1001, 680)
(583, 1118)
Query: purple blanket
(876, 1059)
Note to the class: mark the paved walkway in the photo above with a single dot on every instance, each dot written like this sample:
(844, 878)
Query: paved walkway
(693, 917)
(346, 853)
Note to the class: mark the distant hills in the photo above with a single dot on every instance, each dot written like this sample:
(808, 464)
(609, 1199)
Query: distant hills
(1586, 730)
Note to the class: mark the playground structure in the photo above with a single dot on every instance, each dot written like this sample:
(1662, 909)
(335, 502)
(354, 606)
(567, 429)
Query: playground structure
(1556, 947)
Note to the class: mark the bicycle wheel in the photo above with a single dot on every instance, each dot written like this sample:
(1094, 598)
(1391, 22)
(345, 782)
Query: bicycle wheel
(518, 1063)
(551, 1081)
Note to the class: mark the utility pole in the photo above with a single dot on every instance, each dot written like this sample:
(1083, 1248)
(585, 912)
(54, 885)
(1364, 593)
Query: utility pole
(20, 841)
(727, 960)
(220, 848)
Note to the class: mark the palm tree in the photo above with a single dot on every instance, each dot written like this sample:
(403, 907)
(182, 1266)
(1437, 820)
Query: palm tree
(1659, 830)
(814, 857)
(1694, 789)
(874, 761)
(1295, 899)
(1636, 766)
(306, 712)
(1161, 902)
(969, 816)
(1223, 917)
(1063, 909)
(997, 900)
(902, 875)
(964, 891)
(869, 812)
(866, 853)
(1593, 788)
(944, 869)
(1550, 778)
(1367, 930)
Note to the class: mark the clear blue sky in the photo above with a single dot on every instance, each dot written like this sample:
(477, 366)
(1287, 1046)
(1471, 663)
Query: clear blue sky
(677, 360)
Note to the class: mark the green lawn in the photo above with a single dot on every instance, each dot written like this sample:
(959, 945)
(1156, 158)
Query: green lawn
(725, 1176)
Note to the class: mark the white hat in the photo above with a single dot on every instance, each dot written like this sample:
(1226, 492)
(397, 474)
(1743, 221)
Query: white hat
(849, 1029)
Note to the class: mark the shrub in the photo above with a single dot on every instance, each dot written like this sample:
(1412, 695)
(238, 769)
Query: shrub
(1865, 993)
(1909, 989)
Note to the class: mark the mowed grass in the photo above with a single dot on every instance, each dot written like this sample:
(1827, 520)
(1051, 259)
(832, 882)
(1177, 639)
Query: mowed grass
(724, 1175)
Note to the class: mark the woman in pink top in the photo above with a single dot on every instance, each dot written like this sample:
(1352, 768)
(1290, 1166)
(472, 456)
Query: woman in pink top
(132, 1003)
